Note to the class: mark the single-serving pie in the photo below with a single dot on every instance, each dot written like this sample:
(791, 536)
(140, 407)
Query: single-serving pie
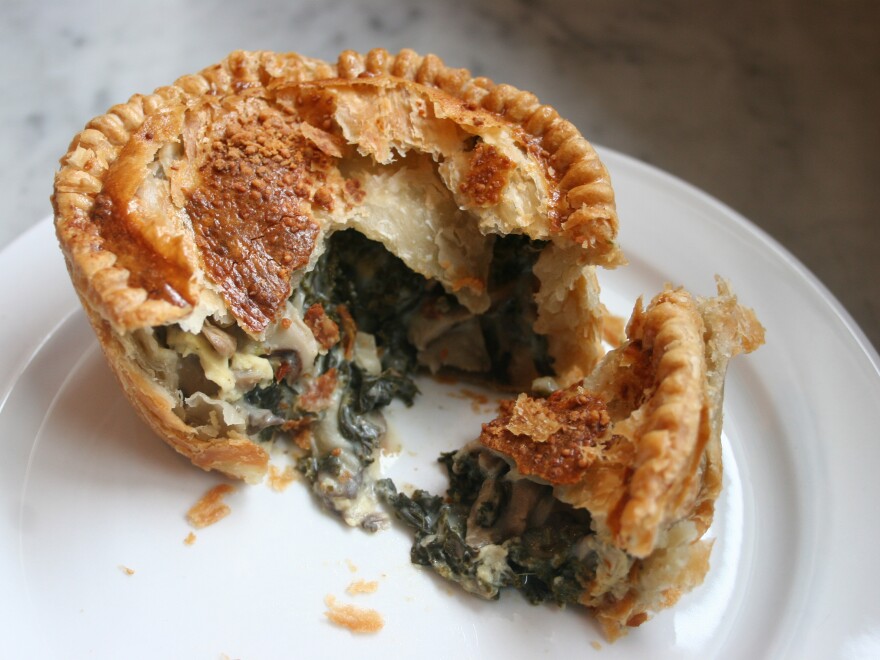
(270, 249)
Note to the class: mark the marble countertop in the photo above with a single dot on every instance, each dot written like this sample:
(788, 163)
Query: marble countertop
(770, 107)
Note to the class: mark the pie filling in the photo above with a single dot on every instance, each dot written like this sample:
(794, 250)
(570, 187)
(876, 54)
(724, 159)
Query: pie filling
(496, 529)
(357, 328)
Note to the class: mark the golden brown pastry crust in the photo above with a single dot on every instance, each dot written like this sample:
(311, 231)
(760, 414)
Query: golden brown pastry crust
(142, 249)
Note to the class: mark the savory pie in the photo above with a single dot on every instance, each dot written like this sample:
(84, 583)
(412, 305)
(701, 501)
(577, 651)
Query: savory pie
(273, 247)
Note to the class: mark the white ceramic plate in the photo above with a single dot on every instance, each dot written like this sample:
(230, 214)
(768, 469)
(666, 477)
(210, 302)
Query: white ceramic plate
(86, 490)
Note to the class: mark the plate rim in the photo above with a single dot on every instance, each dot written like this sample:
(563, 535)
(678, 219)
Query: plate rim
(751, 229)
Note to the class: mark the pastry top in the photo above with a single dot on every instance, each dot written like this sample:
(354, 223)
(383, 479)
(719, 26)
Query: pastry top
(215, 191)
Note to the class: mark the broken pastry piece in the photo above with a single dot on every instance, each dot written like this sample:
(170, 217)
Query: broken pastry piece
(272, 247)
(599, 494)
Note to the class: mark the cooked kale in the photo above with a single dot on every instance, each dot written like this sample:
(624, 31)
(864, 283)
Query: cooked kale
(271, 397)
(332, 359)
(382, 294)
(420, 511)
(312, 466)
(358, 278)
(440, 542)
(364, 395)
(376, 287)
(376, 392)
(465, 477)
(278, 398)
(545, 561)
(356, 423)
(379, 292)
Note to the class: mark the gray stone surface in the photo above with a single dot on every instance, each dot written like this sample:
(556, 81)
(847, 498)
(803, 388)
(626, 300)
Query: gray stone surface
(770, 107)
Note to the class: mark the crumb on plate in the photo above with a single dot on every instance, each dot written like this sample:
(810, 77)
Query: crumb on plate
(190, 539)
(126, 570)
(362, 587)
(210, 508)
(357, 619)
(279, 479)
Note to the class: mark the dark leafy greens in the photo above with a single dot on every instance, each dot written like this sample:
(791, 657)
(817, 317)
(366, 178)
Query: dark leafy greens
(364, 396)
(468, 537)
(382, 295)
(358, 280)
(378, 290)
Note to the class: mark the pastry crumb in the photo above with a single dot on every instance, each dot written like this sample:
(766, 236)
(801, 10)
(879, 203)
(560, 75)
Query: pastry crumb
(279, 480)
(362, 587)
(126, 570)
(351, 566)
(532, 418)
(190, 539)
(210, 508)
(359, 620)
(596, 645)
